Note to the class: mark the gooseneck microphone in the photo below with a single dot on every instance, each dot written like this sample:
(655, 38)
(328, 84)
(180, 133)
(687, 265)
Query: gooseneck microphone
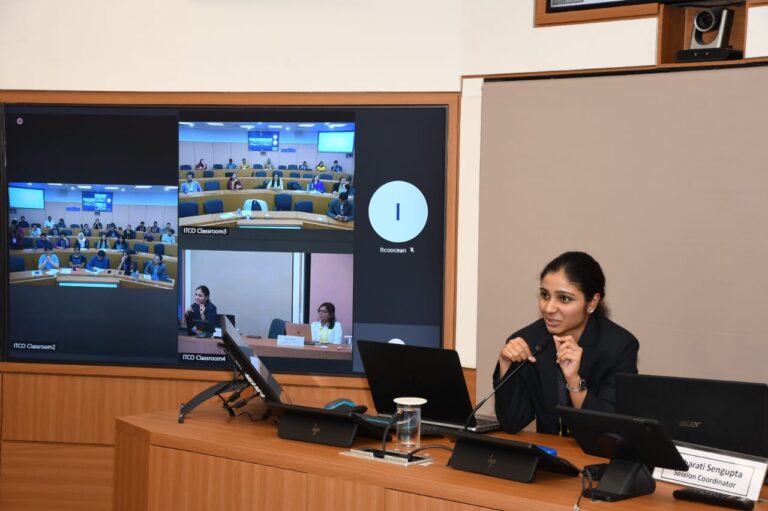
(538, 349)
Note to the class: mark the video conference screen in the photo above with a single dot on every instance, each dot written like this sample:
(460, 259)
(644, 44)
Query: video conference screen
(133, 231)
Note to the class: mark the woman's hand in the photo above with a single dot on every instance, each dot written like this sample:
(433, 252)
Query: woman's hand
(516, 350)
(569, 358)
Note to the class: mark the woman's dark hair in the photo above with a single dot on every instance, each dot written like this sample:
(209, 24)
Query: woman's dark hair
(205, 290)
(581, 269)
(331, 313)
(275, 178)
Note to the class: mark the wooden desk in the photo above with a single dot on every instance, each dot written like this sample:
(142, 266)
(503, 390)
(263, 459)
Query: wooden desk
(31, 258)
(213, 461)
(83, 277)
(268, 348)
(269, 219)
(234, 199)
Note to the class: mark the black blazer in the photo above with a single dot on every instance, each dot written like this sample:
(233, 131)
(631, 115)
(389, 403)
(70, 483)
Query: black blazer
(533, 392)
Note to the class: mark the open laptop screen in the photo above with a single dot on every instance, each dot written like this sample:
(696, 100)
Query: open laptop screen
(723, 414)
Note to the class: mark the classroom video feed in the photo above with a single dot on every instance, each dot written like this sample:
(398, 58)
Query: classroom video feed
(267, 175)
(284, 304)
(93, 236)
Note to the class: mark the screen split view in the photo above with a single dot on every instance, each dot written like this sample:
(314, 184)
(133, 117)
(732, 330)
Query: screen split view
(144, 227)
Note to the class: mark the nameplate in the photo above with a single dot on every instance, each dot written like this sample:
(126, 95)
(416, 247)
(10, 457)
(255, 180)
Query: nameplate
(290, 341)
(721, 471)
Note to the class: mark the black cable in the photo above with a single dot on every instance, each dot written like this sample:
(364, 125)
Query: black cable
(585, 475)
(411, 454)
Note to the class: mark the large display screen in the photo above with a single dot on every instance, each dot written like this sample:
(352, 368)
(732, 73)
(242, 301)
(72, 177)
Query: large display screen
(263, 140)
(304, 250)
(336, 141)
(26, 198)
(570, 5)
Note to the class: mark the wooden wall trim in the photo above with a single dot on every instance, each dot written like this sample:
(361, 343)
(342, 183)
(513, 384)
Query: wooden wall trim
(544, 18)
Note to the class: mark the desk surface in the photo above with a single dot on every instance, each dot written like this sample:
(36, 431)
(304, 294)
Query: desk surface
(84, 277)
(268, 348)
(324, 476)
(266, 219)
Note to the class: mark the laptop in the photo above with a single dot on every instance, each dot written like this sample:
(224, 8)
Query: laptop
(397, 370)
(726, 415)
(299, 330)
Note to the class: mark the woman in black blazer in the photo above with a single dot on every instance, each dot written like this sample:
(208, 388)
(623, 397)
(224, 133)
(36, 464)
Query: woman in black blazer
(201, 317)
(581, 350)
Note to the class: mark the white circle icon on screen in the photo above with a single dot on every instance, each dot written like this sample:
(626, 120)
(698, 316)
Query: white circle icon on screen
(398, 211)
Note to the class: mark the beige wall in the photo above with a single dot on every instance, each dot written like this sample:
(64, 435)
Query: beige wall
(662, 177)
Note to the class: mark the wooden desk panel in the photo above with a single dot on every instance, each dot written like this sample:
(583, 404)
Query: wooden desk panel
(271, 219)
(31, 259)
(234, 199)
(211, 433)
(106, 277)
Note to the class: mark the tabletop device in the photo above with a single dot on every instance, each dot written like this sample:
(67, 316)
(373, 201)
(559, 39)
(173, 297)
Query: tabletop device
(727, 415)
(631, 443)
(249, 370)
(396, 370)
(299, 330)
(506, 459)
(714, 498)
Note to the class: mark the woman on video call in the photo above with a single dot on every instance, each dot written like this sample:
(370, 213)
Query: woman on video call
(326, 330)
(581, 350)
(201, 317)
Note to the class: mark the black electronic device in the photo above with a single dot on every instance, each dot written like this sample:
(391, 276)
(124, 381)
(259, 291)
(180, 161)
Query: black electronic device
(631, 443)
(714, 498)
(321, 425)
(726, 415)
(708, 54)
(397, 370)
(506, 459)
(344, 403)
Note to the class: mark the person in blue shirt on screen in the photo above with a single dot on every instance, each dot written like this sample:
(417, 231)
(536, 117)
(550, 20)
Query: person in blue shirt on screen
(76, 259)
(231, 164)
(100, 260)
(35, 231)
(316, 185)
(335, 167)
(48, 261)
(190, 185)
(342, 209)
(156, 269)
(42, 243)
(62, 241)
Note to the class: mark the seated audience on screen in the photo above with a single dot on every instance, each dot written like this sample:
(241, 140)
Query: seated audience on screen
(326, 330)
(202, 315)
(156, 268)
(86, 230)
(276, 183)
(62, 224)
(316, 185)
(268, 165)
(97, 224)
(231, 164)
(112, 231)
(49, 222)
(23, 222)
(320, 166)
(341, 186)
(35, 230)
(129, 233)
(244, 165)
(190, 185)
(233, 183)
(341, 208)
(15, 236)
(76, 258)
(121, 244)
(580, 369)
(42, 243)
(103, 242)
(99, 261)
(62, 241)
(141, 227)
(48, 260)
(126, 261)
(169, 236)
(335, 167)
(81, 242)
(304, 165)
(201, 165)
(154, 228)
(54, 231)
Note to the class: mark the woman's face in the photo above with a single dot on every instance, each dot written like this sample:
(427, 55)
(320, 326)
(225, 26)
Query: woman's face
(199, 296)
(322, 314)
(563, 305)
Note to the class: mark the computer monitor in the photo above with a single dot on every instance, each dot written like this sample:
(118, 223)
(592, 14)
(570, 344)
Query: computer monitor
(631, 443)
(727, 415)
